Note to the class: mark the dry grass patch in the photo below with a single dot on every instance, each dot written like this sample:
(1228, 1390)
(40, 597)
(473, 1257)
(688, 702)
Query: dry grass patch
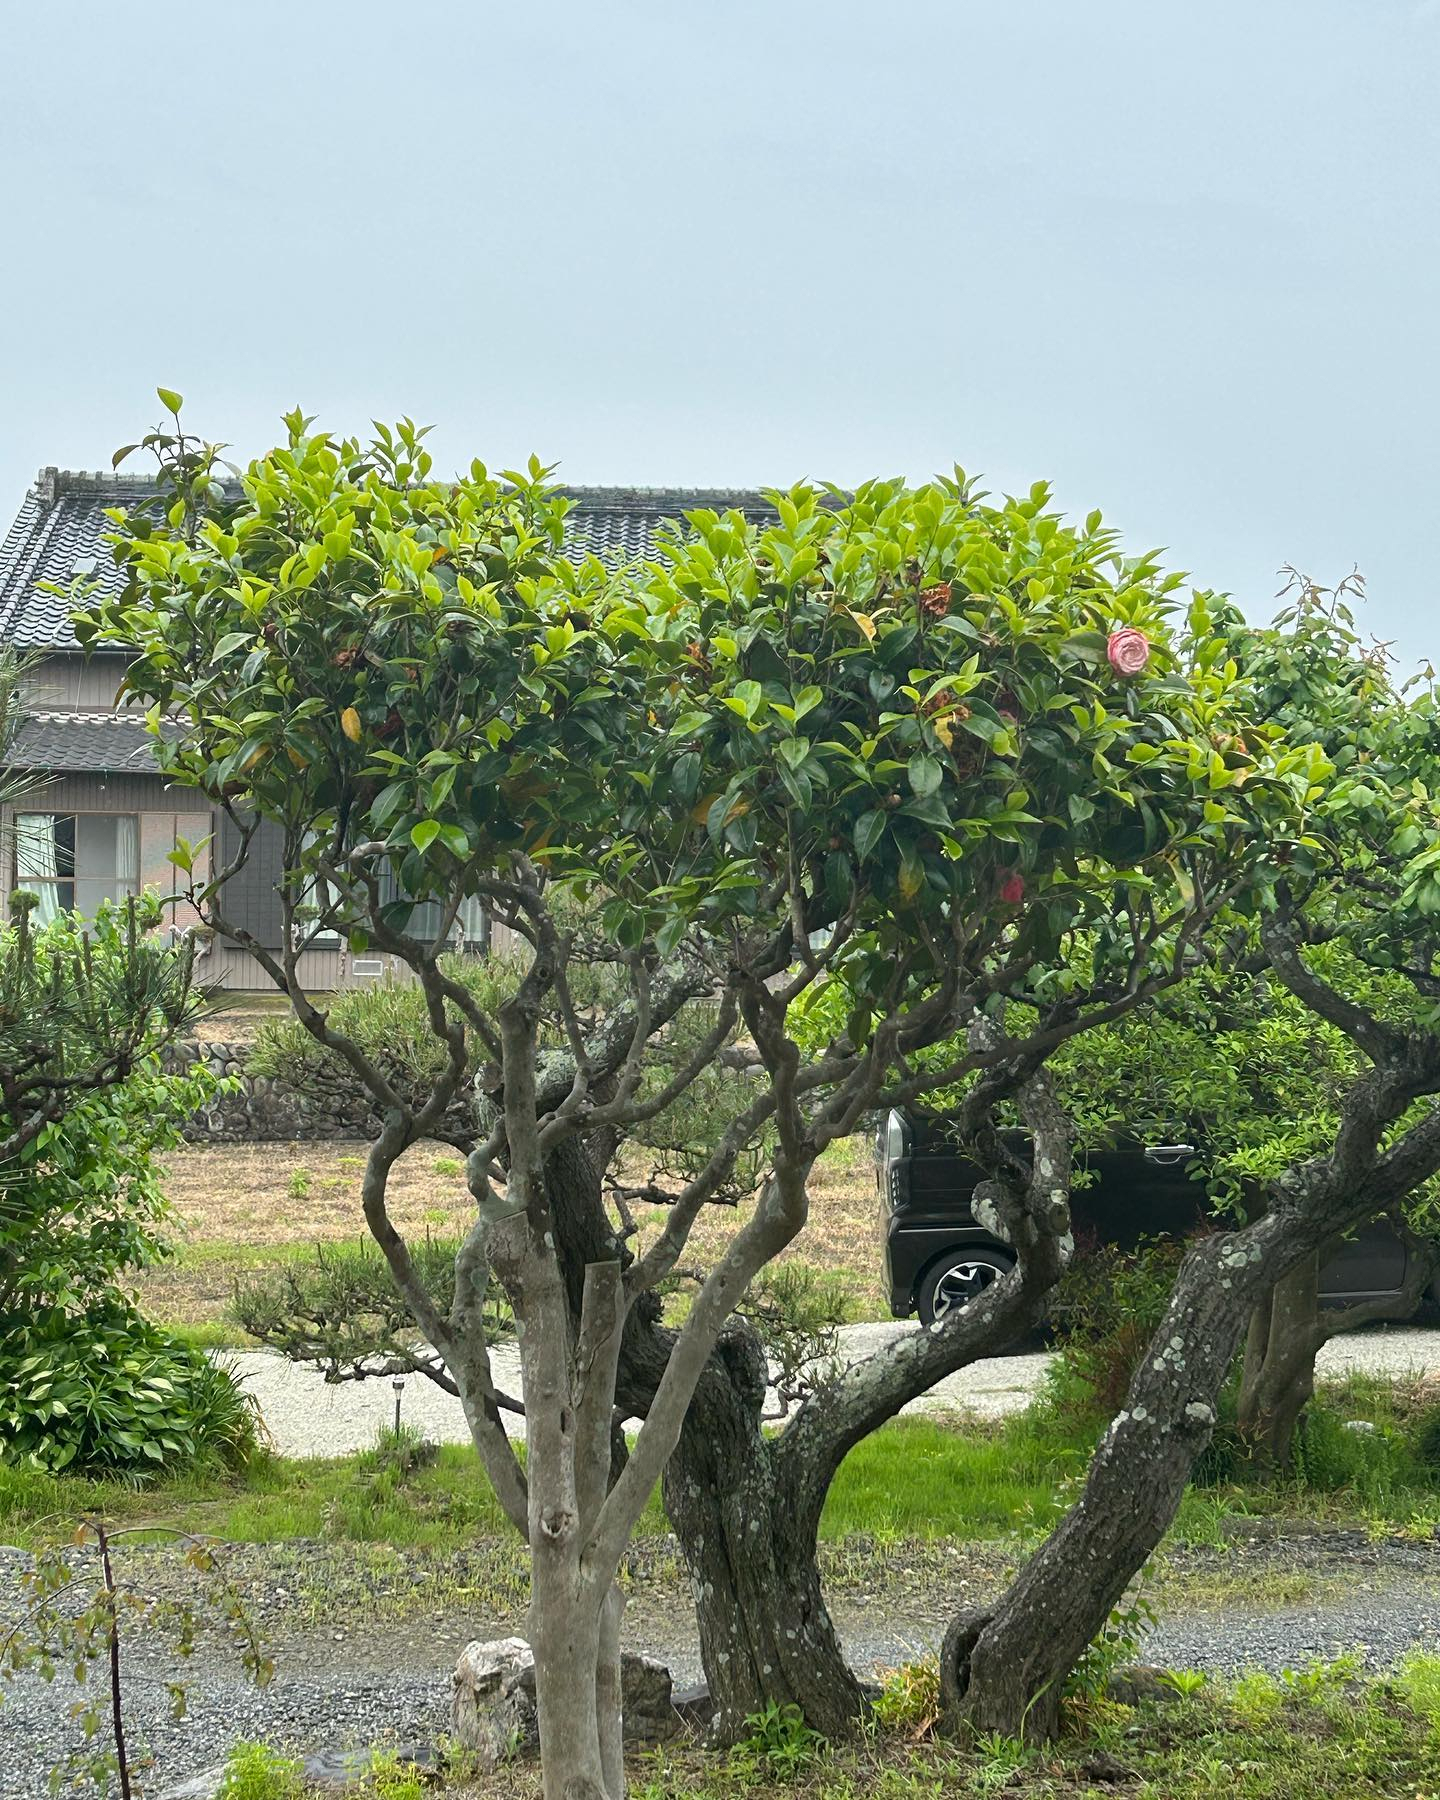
(240, 1207)
(267, 1194)
(841, 1237)
(239, 1016)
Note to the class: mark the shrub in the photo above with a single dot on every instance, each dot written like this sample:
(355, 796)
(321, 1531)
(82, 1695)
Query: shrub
(85, 1382)
(1110, 1302)
(107, 1392)
(1369, 1464)
(339, 1307)
(256, 1772)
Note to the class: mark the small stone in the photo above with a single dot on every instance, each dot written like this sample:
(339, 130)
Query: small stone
(1136, 1682)
(492, 1701)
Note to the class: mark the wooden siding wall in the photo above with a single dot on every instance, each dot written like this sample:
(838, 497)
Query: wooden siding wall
(166, 813)
(74, 683)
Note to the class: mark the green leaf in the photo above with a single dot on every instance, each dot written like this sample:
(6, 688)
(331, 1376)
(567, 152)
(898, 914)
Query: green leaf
(926, 774)
(170, 400)
(685, 777)
(423, 835)
(869, 829)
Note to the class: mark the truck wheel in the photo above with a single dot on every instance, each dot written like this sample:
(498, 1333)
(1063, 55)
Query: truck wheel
(957, 1277)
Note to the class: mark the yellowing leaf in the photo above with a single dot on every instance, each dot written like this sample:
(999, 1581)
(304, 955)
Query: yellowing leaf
(943, 730)
(700, 811)
(350, 724)
(866, 624)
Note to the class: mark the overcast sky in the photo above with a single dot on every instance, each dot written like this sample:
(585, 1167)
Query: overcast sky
(1183, 261)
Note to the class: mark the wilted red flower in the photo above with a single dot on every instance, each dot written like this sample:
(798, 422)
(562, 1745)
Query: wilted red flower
(1128, 650)
(936, 600)
(1012, 889)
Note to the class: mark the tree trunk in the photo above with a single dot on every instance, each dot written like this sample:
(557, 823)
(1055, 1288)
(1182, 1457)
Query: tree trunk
(750, 1551)
(568, 1637)
(1288, 1330)
(1278, 1378)
(746, 1507)
(766, 1636)
(1005, 1670)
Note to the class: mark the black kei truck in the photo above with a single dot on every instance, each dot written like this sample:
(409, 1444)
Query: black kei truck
(938, 1256)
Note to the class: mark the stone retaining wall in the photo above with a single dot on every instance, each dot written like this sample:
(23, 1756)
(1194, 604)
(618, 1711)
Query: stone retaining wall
(260, 1110)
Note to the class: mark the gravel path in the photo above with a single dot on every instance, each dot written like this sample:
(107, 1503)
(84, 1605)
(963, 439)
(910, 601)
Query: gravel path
(306, 1417)
(367, 1676)
(361, 1661)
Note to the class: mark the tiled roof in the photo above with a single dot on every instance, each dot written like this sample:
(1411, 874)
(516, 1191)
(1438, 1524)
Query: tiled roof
(59, 534)
(82, 742)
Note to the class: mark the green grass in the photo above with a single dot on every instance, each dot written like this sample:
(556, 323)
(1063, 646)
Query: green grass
(914, 1480)
(211, 1335)
(917, 1478)
(222, 1253)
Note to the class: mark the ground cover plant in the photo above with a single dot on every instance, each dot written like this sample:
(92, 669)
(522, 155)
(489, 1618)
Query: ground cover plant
(1321, 1731)
(405, 679)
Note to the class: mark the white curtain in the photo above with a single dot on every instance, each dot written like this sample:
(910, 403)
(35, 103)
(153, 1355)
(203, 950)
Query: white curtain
(35, 863)
(127, 854)
(472, 921)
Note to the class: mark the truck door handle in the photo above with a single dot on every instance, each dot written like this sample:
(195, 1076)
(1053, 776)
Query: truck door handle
(1167, 1154)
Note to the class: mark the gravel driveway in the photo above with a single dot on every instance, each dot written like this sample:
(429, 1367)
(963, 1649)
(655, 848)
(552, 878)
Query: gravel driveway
(305, 1417)
(362, 1675)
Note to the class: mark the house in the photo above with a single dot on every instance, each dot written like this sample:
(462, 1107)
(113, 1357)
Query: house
(101, 822)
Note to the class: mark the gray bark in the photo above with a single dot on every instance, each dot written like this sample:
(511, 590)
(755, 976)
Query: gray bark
(747, 1507)
(1004, 1669)
(1289, 1328)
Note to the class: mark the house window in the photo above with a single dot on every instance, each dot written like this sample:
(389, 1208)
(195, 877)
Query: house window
(423, 919)
(318, 898)
(73, 861)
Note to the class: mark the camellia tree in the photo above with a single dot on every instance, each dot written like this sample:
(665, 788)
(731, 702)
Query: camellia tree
(1361, 910)
(1342, 922)
(928, 741)
(1231, 1062)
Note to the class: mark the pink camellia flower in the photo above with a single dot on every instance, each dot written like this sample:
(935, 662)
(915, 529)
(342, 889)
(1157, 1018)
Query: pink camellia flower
(1128, 650)
(1012, 889)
